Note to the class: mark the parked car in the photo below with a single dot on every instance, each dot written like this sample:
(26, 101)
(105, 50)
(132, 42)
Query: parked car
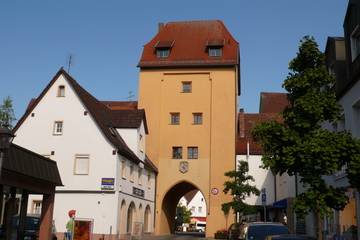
(234, 230)
(289, 237)
(260, 230)
(31, 228)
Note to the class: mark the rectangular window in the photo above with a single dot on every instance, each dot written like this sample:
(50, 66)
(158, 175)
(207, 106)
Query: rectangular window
(215, 52)
(82, 164)
(177, 152)
(36, 207)
(193, 209)
(132, 173)
(61, 91)
(163, 53)
(193, 152)
(58, 128)
(123, 169)
(141, 143)
(355, 43)
(175, 118)
(197, 118)
(140, 176)
(200, 209)
(186, 87)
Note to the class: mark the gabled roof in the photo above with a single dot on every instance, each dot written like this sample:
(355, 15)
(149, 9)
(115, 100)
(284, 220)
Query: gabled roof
(272, 102)
(102, 115)
(247, 122)
(189, 41)
(27, 163)
(128, 118)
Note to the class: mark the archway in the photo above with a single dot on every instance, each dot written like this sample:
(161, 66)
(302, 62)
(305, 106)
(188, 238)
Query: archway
(170, 201)
(147, 219)
(130, 217)
(140, 215)
(123, 217)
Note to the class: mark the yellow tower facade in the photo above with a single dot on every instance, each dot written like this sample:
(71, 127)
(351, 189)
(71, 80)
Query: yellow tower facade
(189, 84)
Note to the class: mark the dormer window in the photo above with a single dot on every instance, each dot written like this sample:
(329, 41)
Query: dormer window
(61, 91)
(214, 47)
(163, 48)
(162, 53)
(215, 52)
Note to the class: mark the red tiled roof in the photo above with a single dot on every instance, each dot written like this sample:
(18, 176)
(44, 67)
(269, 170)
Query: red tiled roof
(189, 41)
(271, 102)
(103, 116)
(247, 121)
(121, 105)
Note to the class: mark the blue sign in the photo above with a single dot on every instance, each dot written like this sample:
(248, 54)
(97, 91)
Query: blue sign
(107, 183)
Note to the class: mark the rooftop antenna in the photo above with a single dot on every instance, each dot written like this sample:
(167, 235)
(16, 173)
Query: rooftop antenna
(69, 62)
(130, 96)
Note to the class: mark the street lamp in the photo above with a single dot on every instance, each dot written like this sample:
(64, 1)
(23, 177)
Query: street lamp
(6, 137)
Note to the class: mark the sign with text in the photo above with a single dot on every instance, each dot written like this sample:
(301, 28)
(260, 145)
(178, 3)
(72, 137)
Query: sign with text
(138, 192)
(107, 183)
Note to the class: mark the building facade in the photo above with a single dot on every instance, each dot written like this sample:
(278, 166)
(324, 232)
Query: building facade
(188, 85)
(100, 152)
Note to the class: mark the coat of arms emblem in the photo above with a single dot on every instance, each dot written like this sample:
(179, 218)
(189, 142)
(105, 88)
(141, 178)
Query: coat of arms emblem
(183, 167)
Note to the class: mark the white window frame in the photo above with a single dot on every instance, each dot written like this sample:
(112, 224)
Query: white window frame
(56, 128)
(82, 157)
(34, 208)
(163, 52)
(215, 51)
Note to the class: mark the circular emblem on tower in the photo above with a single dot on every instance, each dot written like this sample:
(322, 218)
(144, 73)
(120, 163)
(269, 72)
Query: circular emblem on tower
(183, 166)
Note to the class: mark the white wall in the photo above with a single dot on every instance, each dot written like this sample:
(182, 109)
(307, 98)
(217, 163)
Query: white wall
(263, 179)
(198, 201)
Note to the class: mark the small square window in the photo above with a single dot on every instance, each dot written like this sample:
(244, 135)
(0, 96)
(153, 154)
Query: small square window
(177, 152)
(186, 87)
(193, 152)
(197, 118)
(58, 128)
(215, 52)
(61, 91)
(175, 118)
(162, 52)
(81, 165)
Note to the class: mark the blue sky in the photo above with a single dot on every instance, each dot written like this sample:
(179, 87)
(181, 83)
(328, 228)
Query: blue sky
(106, 40)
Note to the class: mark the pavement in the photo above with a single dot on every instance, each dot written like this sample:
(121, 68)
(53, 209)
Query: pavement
(182, 236)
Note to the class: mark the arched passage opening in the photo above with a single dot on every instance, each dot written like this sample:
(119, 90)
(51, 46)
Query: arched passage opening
(168, 223)
(122, 227)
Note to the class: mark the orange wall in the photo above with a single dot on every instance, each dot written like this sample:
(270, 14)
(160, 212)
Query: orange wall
(214, 94)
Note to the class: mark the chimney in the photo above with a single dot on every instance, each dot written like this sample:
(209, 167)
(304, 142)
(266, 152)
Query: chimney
(241, 123)
(160, 26)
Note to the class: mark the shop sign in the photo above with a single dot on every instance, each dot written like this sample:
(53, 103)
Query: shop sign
(107, 183)
(138, 192)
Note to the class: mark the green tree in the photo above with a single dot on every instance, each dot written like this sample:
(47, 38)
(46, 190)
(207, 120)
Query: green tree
(299, 145)
(183, 215)
(7, 115)
(239, 188)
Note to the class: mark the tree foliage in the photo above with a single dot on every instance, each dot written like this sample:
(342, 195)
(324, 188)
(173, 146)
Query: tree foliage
(239, 188)
(7, 115)
(299, 145)
(183, 215)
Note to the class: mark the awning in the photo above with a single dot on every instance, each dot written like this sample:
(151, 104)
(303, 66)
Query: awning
(280, 204)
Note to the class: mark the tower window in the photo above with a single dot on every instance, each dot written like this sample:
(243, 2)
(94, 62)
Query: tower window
(162, 52)
(58, 128)
(177, 152)
(175, 118)
(193, 152)
(215, 51)
(186, 87)
(197, 118)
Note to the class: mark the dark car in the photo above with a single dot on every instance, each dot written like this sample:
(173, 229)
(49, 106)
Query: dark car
(234, 230)
(260, 230)
(31, 228)
(289, 237)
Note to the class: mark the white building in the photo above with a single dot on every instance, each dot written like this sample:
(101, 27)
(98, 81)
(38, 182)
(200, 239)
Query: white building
(195, 202)
(100, 153)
